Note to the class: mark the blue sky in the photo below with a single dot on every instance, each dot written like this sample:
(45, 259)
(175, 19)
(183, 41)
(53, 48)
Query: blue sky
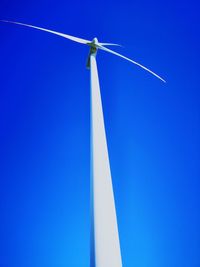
(152, 131)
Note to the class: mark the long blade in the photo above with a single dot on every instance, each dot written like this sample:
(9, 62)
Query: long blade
(134, 62)
(108, 44)
(75, 39)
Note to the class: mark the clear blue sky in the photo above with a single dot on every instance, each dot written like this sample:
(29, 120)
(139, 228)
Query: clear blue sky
(152, 129)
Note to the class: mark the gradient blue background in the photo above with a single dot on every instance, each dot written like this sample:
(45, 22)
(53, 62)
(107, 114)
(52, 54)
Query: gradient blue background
(152, 130)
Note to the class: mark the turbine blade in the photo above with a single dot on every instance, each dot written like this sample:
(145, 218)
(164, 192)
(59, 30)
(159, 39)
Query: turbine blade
(108, 44)
(132, 61)
(75, 39)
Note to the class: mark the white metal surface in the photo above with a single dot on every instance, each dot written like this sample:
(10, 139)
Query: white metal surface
(105, 239)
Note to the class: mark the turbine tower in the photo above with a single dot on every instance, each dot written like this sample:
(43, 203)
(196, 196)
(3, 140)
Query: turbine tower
(105, 245)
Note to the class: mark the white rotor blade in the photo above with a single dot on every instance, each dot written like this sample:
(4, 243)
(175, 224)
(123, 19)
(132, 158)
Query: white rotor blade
(75, 39)
(109, 44)
(134, 62)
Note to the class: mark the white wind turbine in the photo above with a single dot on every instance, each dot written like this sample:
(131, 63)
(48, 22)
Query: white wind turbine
(105, 245)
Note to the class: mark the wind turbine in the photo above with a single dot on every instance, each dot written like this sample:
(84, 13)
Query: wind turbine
(105, 245)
